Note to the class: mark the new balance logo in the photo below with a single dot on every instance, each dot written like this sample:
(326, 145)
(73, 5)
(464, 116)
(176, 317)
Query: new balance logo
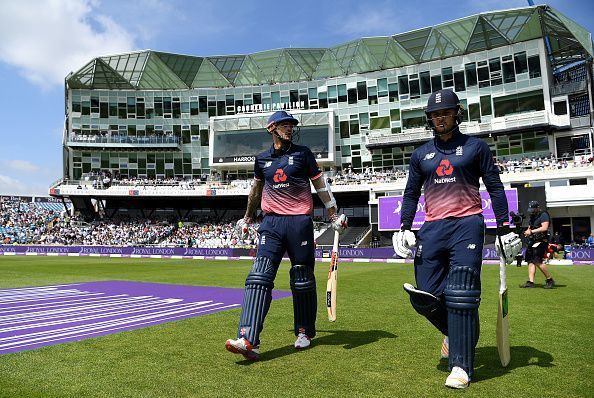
(304, 243)
(471, 246)
(268, 164)
(429, 156)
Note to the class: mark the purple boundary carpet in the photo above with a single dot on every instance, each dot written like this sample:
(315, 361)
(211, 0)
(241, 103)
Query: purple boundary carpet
(33, 317)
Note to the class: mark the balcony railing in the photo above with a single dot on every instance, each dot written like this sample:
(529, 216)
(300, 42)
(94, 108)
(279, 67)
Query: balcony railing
(157, 141)
(569, 88)
(385, 137)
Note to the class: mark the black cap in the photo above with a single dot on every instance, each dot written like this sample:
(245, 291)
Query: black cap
(533, 204)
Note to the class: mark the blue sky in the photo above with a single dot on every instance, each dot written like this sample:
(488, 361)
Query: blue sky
(43, 40)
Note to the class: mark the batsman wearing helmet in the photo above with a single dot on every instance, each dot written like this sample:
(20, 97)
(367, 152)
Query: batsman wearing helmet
(282, 178)
(450, 243)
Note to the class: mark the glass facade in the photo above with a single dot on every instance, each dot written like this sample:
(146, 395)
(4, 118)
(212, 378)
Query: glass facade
(494, 62)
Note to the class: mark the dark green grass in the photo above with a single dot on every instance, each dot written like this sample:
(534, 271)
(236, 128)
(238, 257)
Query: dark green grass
(378, 346)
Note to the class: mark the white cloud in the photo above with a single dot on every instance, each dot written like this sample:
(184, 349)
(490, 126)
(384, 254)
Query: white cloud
(11, 186)
(48, 39)
(21, 165)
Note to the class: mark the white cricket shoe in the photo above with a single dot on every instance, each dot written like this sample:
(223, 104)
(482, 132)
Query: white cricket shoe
(302, 341)
(445, 348)
(243, 347)
(458, 378)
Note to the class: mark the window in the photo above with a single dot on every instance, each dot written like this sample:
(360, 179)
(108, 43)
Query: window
(204, 137)
(342, 93)
(377, 123)
(448, 77)
(474, 111)
(352, 95)
(471, 78)
(483, 74)
(486, 105)
(413, 119)
(495, 71)
(193, 108)
(372, 95)
(534, 66)
(362, 90)
(518, 103)
(509, 75)
(414, 88)
(354, 127)
(425, 83)
(103, 110)
(393, 92)
(395, 114)
(344, 129)
(382, 87)
(459, 81)
(435, 83)
(560, 108)
(202, 104)
(403, 85)
(520, 62)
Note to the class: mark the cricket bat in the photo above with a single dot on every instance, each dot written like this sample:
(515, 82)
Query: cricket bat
(331, 285)
(502, 330)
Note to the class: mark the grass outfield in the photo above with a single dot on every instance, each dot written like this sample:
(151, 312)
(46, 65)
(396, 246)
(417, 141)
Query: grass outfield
(377, 347)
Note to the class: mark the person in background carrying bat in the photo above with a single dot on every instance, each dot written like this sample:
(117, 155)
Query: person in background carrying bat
(537, 242)
(281, 183)
(450, 243)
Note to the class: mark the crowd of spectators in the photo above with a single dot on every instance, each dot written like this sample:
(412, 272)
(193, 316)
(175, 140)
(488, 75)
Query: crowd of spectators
(25, 222)
(347, 176)
(211, 234)
(544, 163)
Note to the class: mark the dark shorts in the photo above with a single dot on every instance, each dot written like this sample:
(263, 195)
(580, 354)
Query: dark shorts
(291, 234)
(536, 254)
(443, 244)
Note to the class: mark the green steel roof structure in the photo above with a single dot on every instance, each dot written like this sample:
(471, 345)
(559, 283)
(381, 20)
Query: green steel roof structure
(152, 70)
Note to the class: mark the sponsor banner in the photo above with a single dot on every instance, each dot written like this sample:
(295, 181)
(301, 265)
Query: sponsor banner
(390, 207)
(113, 250)
(585, 255)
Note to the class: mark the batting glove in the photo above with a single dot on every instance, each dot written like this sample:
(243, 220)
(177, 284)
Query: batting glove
(242, 228)
(339, 222)
(403, 241)
(507, 244)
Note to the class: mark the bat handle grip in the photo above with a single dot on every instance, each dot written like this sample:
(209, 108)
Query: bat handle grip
(502, 275)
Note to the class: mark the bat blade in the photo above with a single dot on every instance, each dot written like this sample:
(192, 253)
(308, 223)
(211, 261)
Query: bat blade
(332, 279)
(503, 346)
(502, 330)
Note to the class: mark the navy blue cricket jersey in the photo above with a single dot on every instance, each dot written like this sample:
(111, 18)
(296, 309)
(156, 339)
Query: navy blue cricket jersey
(286, 179)
(449, 173)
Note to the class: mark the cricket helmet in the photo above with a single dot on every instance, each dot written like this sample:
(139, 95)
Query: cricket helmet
(440, 100)
(281, 116)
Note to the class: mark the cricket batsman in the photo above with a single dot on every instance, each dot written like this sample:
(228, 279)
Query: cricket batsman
(450, 243)
(281, 185)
